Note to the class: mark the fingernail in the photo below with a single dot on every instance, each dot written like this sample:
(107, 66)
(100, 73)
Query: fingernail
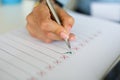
(64, 35)
(72, 38)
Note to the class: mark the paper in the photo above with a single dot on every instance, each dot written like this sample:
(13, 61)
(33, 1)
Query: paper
(25, 58)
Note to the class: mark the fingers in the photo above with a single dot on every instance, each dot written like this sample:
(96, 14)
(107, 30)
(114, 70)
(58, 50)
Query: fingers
(67, 21)
(41, 26)
(53, 27)
(72, 37)
(53, 36)
(38, 34)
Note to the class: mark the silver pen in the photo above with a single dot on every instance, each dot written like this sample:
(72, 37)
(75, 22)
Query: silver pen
(52, 9)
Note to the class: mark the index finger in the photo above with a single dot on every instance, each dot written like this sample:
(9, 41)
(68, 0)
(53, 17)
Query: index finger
(52, 26)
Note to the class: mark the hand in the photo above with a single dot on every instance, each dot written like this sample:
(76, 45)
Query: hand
(41, 25)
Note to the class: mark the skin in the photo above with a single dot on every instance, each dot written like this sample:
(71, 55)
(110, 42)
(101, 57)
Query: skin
(42, 26)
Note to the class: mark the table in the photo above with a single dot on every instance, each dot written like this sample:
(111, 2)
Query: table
(14, 16)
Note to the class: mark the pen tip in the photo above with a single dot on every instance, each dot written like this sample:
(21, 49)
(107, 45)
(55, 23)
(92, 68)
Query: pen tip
(69, 46)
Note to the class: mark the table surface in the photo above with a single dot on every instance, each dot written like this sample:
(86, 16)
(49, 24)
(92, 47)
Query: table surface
(14, 16)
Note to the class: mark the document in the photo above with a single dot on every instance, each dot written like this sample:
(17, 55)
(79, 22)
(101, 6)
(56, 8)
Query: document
(97, 45)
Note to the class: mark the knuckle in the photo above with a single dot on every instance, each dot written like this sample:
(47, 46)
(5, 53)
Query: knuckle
(70, 19)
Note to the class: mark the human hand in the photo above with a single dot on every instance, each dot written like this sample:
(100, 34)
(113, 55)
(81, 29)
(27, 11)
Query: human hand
(41, 24)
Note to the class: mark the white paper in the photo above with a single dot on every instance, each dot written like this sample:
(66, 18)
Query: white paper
(95, 48)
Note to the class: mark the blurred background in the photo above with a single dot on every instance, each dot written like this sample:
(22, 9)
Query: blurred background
(13, 12)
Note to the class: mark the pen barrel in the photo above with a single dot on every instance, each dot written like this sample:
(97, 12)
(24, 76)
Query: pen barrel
(56, 17)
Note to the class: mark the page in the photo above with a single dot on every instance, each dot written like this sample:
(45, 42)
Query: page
(32, 57)
(23, 57)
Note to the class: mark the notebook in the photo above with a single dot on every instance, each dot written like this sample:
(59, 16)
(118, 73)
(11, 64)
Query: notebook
(97, 45)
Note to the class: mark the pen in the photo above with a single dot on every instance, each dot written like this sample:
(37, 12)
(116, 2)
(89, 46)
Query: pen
(52, 9)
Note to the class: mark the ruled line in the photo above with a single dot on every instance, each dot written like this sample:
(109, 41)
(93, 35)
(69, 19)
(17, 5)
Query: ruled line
(36, 50)
(28, 40)
(20, 59)
(15, 78)
(27, 53)
(15, 67)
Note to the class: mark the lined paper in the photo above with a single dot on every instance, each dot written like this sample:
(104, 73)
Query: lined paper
(31, 58)
(23, 57)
